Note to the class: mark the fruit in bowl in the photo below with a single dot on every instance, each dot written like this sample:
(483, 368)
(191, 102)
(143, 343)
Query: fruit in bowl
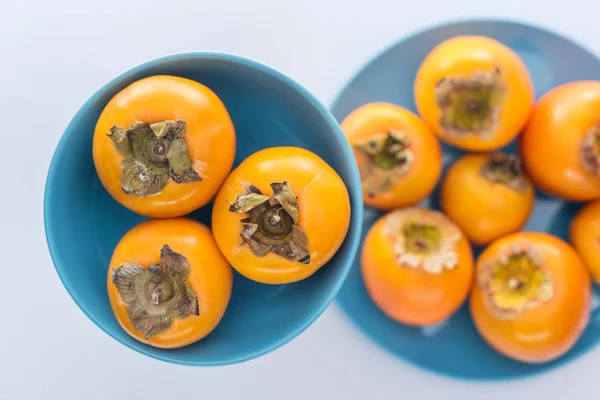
(170, 149)
(281, 215)
(168, 283)
(163, 146)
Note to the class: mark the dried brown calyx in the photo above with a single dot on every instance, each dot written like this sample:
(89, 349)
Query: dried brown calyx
(515, 281)
(424, 239)
(153, 155)
(471, 105)
(272, 222)
(389, 158)
(590, 151)
(505, 169)
(156, 295)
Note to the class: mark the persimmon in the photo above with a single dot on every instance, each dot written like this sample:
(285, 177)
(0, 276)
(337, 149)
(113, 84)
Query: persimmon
(281, 215)
(399, 158)
(168, 283)
(487, 196)
(163, 146)
(561, 145)
(531, 300)
(474, 92)
(585, 237)
(417, 266)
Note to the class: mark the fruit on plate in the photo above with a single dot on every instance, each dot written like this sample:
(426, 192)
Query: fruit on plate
(417, 266)
(531, 300)
(399, 158)
(487, 196)
(474, 92)
(280, 215)
(585, 237)
(561, 145)
(168, 283)
(163, 146)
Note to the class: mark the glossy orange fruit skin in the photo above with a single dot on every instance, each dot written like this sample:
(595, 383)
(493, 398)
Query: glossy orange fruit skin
(323, 208)
(463, 56)
(484, 210)
(376, 118)
(412, 296)
(210, 140)
(585, 237)
(211, 276)
(551, 144)
(548, 330)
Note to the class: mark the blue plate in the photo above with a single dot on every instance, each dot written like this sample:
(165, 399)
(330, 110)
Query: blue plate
(453, 347)
(83, 223)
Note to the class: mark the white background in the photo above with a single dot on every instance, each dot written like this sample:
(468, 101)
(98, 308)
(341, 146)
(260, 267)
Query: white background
(55, 54)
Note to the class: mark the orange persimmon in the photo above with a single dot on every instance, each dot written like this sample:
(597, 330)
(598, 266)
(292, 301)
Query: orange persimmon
(163, 146)
(487, 196)
(585, 237)
(474, 92)
(168, 283)
(531, 300)
(561, 145)
(417, 266)
(399, 158)
(280, 215)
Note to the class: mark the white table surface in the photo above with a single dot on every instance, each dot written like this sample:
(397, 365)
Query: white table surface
(55, 54)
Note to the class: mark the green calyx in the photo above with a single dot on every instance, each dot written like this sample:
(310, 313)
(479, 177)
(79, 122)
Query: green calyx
(515, 282)
(424, 239)
(271, 223)
(389, 159)
(154, 154)
(505, 169)
(421, 239)
(471, 106)
(590, 151)
(156, 295)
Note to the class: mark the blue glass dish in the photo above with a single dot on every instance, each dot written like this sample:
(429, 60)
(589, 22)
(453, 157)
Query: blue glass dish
(453, 347)
(83, 223)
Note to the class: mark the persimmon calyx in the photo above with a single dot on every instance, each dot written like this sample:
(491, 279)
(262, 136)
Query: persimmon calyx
(272, 222)
(471, 105)
(505, 169)
(389, 158)
(425, 241)
(515, 281)
(590, 151)
(156, 295)
(153, 155)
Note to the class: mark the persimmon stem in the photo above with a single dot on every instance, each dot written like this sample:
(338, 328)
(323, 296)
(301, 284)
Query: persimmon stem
(471, 105)
(271, 223)
(157, 294)
(154, 154)
(515, 281)
(505, 169)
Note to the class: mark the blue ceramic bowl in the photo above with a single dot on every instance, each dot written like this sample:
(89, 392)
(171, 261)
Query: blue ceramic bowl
(83, 223)
(453, 347)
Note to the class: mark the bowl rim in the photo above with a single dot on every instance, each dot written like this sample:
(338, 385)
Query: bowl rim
(354, 192)
(369, 336)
